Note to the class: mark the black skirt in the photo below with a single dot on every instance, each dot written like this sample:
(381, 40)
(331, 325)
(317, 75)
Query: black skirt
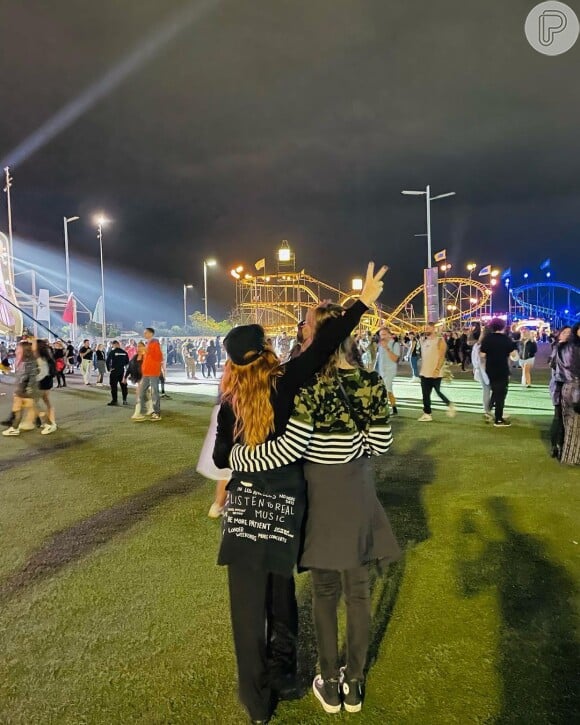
(262, 523)
(46, 383)
(346, 525)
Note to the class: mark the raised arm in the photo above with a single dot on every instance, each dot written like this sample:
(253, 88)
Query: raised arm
(302, 368)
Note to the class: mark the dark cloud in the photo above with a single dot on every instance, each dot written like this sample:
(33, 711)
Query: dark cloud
(303, 120)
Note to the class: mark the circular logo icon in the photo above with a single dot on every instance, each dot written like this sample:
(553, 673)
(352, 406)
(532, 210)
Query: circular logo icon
(552, 28)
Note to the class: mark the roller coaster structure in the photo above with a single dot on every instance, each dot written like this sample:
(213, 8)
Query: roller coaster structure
(555, 301)
(279, 301)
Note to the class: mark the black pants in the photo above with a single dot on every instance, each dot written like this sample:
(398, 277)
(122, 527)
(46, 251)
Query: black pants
(327, 587)
(557, 429)
(265, 626)
(60, 379)
(499, 391)
(210, 367)
(427, 386)
(116, 378)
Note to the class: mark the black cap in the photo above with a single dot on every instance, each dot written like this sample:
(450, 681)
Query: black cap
(243, 340)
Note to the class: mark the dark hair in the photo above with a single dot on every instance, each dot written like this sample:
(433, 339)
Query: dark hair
(575, 338)
(150, 329)
(115, 342)
(497, 325)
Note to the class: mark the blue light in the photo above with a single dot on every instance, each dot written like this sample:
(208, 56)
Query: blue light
(548, 275)
(566, 312)
(526, 275)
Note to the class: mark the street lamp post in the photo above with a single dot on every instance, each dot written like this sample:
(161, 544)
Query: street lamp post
(206, 263)
(470, 267)
(185, 288)
(101, 221)
(428, 200)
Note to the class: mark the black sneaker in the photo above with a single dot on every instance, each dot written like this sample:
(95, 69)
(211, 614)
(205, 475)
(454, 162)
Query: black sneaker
(113, 402)
(125, 402)
(327, 692)
(352, 694)
(502, 424)
(395, 411)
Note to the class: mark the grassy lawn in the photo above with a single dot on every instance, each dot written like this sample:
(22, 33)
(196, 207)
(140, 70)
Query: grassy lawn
(112, 609)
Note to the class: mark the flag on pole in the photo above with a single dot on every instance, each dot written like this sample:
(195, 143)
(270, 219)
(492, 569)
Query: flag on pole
(546, 264)
(43, 308)
(440, 256)
(97, 315)
(68, 315)
(260, 264)
(484, 270)
(507, 273)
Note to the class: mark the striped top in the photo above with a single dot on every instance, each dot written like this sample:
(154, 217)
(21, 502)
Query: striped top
(322, 429)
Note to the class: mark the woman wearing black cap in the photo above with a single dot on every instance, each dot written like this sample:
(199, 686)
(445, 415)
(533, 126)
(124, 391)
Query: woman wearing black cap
(263, 518)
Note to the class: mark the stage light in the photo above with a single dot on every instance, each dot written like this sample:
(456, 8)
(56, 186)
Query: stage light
(526, 275)
(357, 284)
(284, 253)
(471, 266)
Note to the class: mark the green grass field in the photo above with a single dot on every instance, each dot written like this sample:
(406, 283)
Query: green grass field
(112, 609)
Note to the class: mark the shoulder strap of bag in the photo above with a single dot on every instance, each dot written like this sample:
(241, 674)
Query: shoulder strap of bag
(353, 414)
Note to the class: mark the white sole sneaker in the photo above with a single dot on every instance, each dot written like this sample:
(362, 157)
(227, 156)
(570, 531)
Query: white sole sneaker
(11, 432)
(48, 429)
(451, 411)
(425, 418)
(329, 709)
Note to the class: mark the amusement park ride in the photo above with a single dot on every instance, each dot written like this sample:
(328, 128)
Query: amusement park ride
(278, 300)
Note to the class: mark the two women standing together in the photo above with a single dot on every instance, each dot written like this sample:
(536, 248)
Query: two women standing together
(324, 408)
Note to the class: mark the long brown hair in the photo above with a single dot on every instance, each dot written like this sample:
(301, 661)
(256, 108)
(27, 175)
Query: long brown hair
(248, 389)
(320, 316)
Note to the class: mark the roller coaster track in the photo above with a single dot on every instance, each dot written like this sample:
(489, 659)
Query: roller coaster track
(540, 308)
(280, 299)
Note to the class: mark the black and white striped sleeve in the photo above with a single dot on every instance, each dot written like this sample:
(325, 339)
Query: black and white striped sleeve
(281, 451)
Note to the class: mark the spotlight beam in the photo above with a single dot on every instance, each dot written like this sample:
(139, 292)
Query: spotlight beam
(132, 62)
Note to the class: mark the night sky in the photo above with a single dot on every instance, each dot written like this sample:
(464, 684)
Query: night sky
(293, 119)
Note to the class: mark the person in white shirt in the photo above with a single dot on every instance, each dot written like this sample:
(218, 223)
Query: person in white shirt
(388, 357)
(480, 374)
(433, 350)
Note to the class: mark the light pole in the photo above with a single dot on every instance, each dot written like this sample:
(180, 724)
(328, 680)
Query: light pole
(206, 263)
(102, 221)
(9, 204)
(428, 200)
(470, 267)
(185, 288)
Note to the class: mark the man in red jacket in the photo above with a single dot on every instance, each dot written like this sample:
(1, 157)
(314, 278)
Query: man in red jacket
(151, 370)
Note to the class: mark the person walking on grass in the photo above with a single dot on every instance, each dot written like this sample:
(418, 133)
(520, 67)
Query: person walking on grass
(101, 364)
(26, 390)
(557, 427)
(60, 363)
(151, 369)
(86, 357)
(135, 375)
(45, 379)
(433, 352)
(211, 359)
(480, 374)
(414, 355)
(387, 361)
(496, 350)
(568, 370)
(117, 361)
(529, 349)
(258, 393)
